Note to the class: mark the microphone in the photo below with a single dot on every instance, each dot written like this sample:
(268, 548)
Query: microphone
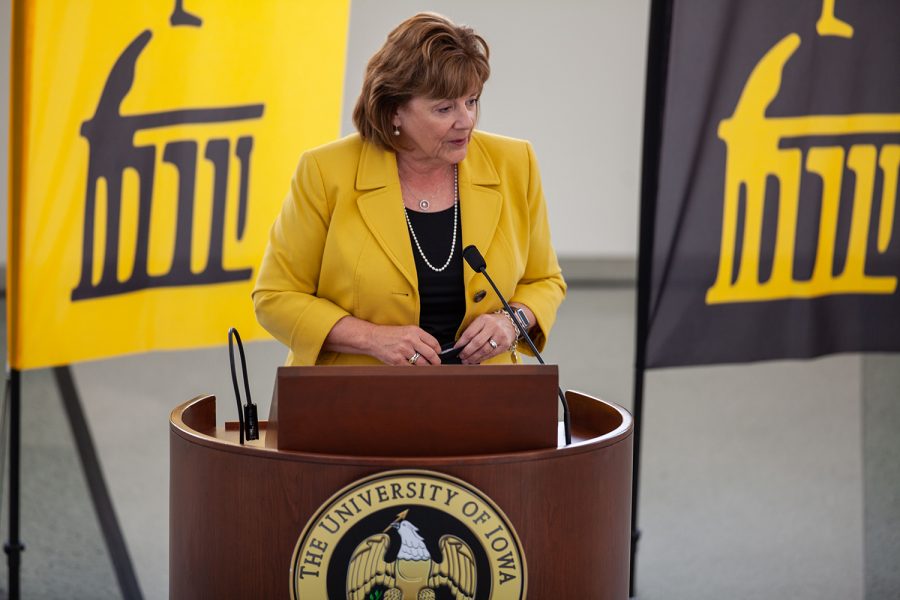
(476, 261)
(248, 422)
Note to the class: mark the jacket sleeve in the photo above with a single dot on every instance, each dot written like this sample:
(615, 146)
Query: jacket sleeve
(542, 287)
(285, 297)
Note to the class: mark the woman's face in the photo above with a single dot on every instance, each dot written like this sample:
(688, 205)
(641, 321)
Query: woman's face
(436, 131)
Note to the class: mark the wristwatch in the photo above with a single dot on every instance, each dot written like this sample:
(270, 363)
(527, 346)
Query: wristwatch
(519, 315)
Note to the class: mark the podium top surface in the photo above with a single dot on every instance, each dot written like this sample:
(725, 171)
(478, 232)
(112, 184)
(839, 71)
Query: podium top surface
(595, 423)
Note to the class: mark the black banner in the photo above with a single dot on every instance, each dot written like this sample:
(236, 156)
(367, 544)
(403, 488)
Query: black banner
(775, 228)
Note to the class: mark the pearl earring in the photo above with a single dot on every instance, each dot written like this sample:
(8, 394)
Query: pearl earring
(396, 130)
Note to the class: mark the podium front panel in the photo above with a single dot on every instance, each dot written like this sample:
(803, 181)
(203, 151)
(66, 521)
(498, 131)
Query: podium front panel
(238, 512)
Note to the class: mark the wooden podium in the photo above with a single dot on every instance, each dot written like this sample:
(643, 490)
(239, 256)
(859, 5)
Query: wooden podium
(237, 512)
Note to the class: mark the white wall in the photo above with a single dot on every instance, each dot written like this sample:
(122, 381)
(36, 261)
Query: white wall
(566, 75)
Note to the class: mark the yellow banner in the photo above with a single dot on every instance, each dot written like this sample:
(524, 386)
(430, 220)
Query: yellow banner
(152, 144)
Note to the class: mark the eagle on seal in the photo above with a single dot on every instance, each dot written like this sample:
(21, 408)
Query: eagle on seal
(414, 575)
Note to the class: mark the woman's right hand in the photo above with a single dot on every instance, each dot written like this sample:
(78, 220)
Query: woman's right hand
(391, 344)
(396, 344)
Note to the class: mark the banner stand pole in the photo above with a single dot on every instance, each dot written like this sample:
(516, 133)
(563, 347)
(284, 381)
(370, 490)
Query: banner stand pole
(14, 546)
(654, 105)
(106, 515)
(637, 413)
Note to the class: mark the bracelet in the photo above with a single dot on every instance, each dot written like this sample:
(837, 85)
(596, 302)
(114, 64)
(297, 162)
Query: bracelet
(518, 335)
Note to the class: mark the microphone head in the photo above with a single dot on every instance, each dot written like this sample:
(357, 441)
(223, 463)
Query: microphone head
(474, 258)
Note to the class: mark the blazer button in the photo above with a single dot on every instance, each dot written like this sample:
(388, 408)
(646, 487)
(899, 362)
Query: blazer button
(479, 296)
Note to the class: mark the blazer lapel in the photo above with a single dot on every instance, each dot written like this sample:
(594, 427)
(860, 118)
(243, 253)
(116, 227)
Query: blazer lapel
(480, 204)
(382, 208)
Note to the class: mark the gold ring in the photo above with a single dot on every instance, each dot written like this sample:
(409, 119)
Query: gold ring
(412, 359)
(492, 343)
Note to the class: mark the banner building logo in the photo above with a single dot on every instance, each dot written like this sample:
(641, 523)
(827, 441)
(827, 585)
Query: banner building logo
(761, 147)
(153, 145)
(110, 136)
(775, 222)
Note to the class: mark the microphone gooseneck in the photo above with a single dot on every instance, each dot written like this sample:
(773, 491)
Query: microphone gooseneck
(476, 261)
(248, 421)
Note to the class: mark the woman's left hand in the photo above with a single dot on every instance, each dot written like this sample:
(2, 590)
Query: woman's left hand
(476, 339)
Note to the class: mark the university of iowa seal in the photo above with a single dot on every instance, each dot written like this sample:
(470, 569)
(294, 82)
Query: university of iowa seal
(408, 535)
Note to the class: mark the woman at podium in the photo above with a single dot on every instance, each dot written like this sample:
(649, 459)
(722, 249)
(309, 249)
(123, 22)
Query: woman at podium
(364, 263)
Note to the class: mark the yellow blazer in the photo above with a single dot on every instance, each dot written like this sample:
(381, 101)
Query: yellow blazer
(341, 246)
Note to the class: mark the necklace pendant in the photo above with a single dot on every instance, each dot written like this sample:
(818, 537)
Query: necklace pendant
(424, 204)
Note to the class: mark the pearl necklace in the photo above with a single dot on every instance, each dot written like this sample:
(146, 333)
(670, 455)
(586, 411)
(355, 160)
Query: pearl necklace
(455, 218)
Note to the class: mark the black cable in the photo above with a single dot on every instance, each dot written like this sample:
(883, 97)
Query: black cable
(248, 423)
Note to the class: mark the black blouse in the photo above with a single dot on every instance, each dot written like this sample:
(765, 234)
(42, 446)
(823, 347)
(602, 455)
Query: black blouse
(443, 301)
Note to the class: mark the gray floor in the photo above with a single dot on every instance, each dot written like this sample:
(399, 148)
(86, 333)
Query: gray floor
(775, 480)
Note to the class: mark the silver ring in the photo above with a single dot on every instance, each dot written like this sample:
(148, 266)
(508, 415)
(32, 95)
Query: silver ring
(412, 359)
(492, 343)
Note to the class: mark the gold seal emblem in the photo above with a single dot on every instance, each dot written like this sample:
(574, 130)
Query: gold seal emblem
(409, 535)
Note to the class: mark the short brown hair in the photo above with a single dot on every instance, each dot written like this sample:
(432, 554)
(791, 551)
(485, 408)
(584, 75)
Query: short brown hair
(426, 55)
